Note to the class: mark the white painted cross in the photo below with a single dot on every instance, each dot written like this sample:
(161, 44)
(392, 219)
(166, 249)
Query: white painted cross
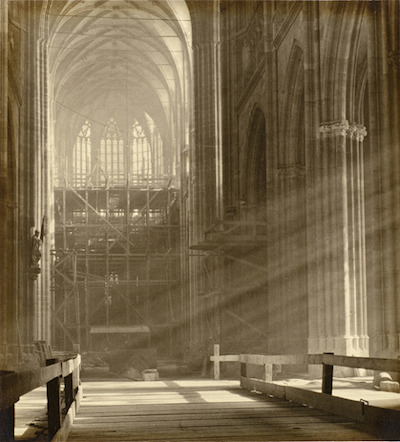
(217, 359)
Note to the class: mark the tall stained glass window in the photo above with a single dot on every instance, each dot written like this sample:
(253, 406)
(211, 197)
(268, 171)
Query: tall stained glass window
(112, 155)
(81, 157)
(156, 147)
(141, 152)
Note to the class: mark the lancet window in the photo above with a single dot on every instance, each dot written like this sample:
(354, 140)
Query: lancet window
(141, 152)
(156, 147)
(146, 150)
(81, 157)
(112, 155)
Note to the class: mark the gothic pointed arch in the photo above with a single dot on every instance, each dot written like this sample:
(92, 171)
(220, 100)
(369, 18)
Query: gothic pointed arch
(254, 190)
(292, 114)
(338, 70)
(81, 156)
(112, 159)
(141, 153)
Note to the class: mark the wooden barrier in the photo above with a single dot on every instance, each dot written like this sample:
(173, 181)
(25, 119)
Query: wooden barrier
(217, 359)
(384, 421)
(15, 384)
(327, 360)
(268, 361)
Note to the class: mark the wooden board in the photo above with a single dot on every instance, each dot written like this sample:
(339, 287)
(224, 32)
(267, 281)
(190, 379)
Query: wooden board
(379, 364)
(30, 414)
(385, 422)
(200, 411)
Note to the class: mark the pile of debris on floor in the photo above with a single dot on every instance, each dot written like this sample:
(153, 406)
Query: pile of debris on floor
(139, 364)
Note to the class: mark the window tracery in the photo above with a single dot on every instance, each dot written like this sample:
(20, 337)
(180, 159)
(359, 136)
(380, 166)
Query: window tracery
(112, 155)
(141, 152)
(81, 156)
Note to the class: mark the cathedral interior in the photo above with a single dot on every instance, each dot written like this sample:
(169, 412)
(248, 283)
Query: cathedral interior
(176, 174)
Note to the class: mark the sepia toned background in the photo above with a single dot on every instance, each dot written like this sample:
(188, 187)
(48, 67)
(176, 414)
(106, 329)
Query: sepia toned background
(200, 172)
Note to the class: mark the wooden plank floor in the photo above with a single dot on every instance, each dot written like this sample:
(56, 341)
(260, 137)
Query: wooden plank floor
(30, 414)
(204, 410)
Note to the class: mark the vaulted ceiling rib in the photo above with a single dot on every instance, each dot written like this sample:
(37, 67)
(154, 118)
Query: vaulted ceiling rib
(125, 57)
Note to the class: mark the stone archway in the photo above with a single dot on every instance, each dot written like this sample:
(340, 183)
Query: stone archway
(254, 179)
(129, 61)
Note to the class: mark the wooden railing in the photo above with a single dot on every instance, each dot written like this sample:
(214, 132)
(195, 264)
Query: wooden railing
(386, 422)
(327, 360)
(15, 384)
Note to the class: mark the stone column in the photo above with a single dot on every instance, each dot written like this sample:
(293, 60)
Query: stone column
(383, 178)
(206, 190)
(4, 292)
(338, 309)
(47, 191)
(42, 192)
(291, 325)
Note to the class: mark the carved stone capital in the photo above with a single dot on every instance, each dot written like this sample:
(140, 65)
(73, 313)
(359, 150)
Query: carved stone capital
(335, 128)
(357, 131)
(345, 129)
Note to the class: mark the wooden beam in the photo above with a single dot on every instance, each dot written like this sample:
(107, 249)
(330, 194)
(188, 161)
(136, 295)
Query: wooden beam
(69, 366)
(268, 372)
(14, 385)
(68, 391)
(216, 362)
(380, 364)
(103, 219)
(274, 359)
(328, 359)
(384, 420)
(243, 321)
(248, 263)
(119, 329)
(63, 432)
(227, 358)
(66, 331)
(7, 423)
(53, 403)
(327, 377)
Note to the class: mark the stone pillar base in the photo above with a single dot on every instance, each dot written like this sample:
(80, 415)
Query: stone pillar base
(340, 345)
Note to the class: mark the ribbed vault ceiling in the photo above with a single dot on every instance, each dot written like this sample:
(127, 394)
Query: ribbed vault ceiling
(118, 58)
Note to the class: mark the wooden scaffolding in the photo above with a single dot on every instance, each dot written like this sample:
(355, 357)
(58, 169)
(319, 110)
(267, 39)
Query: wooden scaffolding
(117, 261)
